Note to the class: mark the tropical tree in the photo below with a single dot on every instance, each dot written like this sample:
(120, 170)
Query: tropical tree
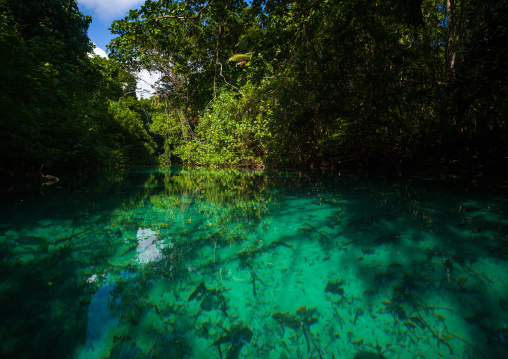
(59, 106)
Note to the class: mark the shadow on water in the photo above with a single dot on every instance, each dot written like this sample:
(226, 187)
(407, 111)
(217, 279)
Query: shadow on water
(230, 264)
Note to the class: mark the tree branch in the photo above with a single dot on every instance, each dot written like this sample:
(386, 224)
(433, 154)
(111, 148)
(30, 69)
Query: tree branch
(199, 14)
(149, 84)
(228, 82)
(177, 17)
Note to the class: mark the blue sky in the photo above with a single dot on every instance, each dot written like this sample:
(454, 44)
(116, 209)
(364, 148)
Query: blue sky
(104, 12)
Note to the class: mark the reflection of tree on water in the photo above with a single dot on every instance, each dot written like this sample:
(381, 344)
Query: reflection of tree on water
(42, 306)
(199, 213)
(227, 243)
(213, 199)
(53, 252)
(262, 249)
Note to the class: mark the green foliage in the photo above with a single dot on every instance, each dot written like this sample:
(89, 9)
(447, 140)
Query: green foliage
(43, 48)
(241, 57)
(60, 107)
(317, 83)
(133, 144)
(233, 131)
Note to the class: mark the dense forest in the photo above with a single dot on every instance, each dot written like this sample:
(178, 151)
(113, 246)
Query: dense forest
(261, 83)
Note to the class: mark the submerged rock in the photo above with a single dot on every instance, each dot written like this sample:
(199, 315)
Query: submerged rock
(209, 303)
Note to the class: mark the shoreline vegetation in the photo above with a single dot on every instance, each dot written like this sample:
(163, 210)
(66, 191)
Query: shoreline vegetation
(399, 86)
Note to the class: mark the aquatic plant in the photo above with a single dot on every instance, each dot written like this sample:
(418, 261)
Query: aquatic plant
(287, 320)
(304, 317)
(335, 287)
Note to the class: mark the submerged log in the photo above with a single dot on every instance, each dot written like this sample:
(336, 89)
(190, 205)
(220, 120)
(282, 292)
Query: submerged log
(200, 289)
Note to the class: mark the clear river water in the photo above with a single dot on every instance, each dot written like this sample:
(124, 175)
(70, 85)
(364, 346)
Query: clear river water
(177, 263)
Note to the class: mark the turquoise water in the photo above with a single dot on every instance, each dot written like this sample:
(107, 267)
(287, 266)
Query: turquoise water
(232, 264)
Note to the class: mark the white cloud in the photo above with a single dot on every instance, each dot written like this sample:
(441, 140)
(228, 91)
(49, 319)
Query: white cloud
(100, 52)
(110, 9)
(146, 80)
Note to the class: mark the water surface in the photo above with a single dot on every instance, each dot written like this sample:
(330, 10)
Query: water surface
(234, 264)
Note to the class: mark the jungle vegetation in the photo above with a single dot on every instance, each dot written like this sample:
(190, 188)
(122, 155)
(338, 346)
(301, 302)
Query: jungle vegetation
(274, 83)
